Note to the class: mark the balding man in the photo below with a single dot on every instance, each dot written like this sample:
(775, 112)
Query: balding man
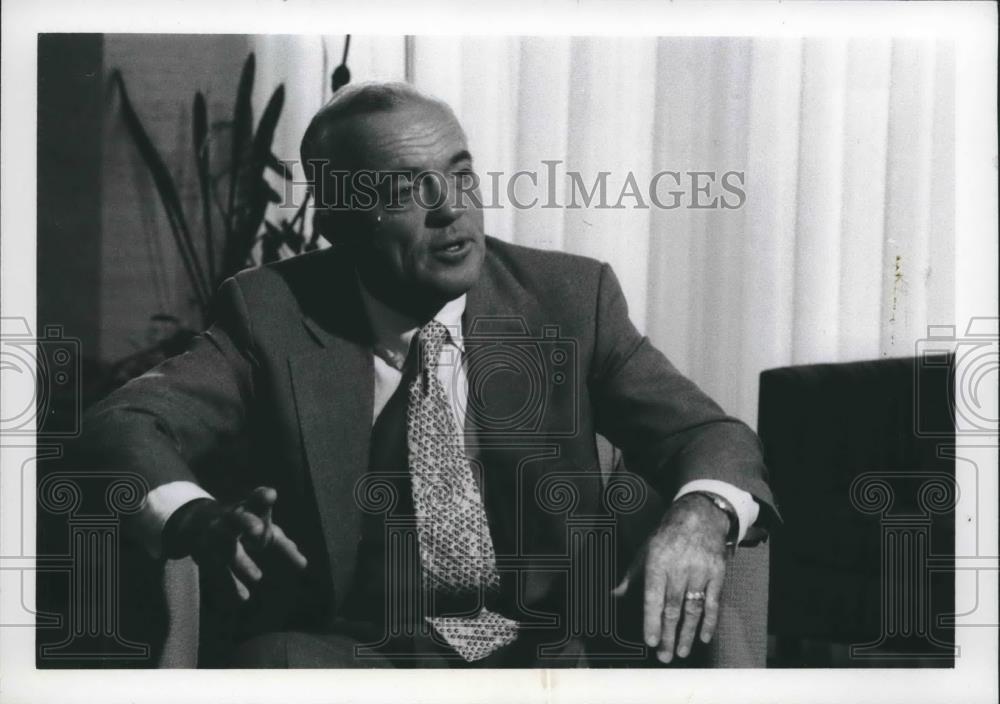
(421, 403)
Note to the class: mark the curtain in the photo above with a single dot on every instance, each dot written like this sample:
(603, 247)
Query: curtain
(842, 247)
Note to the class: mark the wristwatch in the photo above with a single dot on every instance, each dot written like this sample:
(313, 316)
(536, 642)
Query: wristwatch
(732, 537)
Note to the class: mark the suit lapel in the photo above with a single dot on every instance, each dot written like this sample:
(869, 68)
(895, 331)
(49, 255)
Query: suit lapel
(335, 411)
(334, 391)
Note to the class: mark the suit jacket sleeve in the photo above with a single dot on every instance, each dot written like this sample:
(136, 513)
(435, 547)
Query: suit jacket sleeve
(191, 406)
(668, 429)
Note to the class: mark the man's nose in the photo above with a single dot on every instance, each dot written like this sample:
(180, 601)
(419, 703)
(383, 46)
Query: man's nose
(443, 207)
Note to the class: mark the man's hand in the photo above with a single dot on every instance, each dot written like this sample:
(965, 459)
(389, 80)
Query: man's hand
(226, 538)
(686, 554)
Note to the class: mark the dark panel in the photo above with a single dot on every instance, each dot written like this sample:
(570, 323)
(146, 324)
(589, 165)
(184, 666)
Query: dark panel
(861, 462)
(70, 100)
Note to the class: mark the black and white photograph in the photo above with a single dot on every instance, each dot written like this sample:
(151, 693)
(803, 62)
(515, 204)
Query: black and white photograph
(580, 354)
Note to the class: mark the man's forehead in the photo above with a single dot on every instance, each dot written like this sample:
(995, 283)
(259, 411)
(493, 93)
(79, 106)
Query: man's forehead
(412, 136)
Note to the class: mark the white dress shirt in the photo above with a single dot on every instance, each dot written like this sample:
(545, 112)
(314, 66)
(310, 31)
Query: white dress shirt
(394, 333)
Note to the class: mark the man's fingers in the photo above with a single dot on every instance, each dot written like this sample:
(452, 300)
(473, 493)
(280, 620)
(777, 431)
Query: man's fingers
(261, 500)
(656, 585)
(670, 616)
(241, 589)
(243, 566)
(693, 609)
(255, 513)
(253, 518)
(247, 523)
(711, 617)
(287, 546)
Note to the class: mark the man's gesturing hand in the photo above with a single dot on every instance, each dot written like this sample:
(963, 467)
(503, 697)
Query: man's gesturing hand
(686, 554)
(225, 537)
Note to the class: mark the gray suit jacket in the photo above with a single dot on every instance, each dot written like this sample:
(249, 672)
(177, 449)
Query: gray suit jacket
(285, 375)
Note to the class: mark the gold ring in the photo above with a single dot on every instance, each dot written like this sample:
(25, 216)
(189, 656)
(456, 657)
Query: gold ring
(695, 596)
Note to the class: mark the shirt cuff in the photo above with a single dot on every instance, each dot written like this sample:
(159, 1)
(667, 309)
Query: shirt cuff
(160, 504)
(746, 506)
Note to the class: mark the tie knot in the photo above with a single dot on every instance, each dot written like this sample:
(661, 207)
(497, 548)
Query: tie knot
(432, 338)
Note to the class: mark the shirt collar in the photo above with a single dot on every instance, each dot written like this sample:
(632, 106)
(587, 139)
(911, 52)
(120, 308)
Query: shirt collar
(394, 331)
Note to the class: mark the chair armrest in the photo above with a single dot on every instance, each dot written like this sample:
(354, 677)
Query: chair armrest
(741, 634)
(183, 596)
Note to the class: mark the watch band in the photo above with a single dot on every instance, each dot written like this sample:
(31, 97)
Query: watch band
(732, 537)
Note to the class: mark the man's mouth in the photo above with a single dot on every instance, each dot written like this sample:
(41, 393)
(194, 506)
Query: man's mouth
(452, 251)
(452, 246)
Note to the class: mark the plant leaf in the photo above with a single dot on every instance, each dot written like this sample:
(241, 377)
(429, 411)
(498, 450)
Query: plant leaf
(342, 75)
(313, 243)
(199, 126)
(279, 167)
(255, 193)
(270, 246)
(241, 136)
(165, 188)
(272, 195)
(264, 137)
(289, 236)
(300, 213)
(199, 113)
(271, 231)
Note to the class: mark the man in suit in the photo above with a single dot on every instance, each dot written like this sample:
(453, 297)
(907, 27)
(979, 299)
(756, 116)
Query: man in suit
(420, 404)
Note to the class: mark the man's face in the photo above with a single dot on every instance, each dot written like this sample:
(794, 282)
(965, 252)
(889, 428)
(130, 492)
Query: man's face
(423, 243)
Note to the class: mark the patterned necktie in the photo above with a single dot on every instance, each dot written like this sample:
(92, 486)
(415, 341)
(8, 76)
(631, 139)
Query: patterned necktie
(456, 551)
